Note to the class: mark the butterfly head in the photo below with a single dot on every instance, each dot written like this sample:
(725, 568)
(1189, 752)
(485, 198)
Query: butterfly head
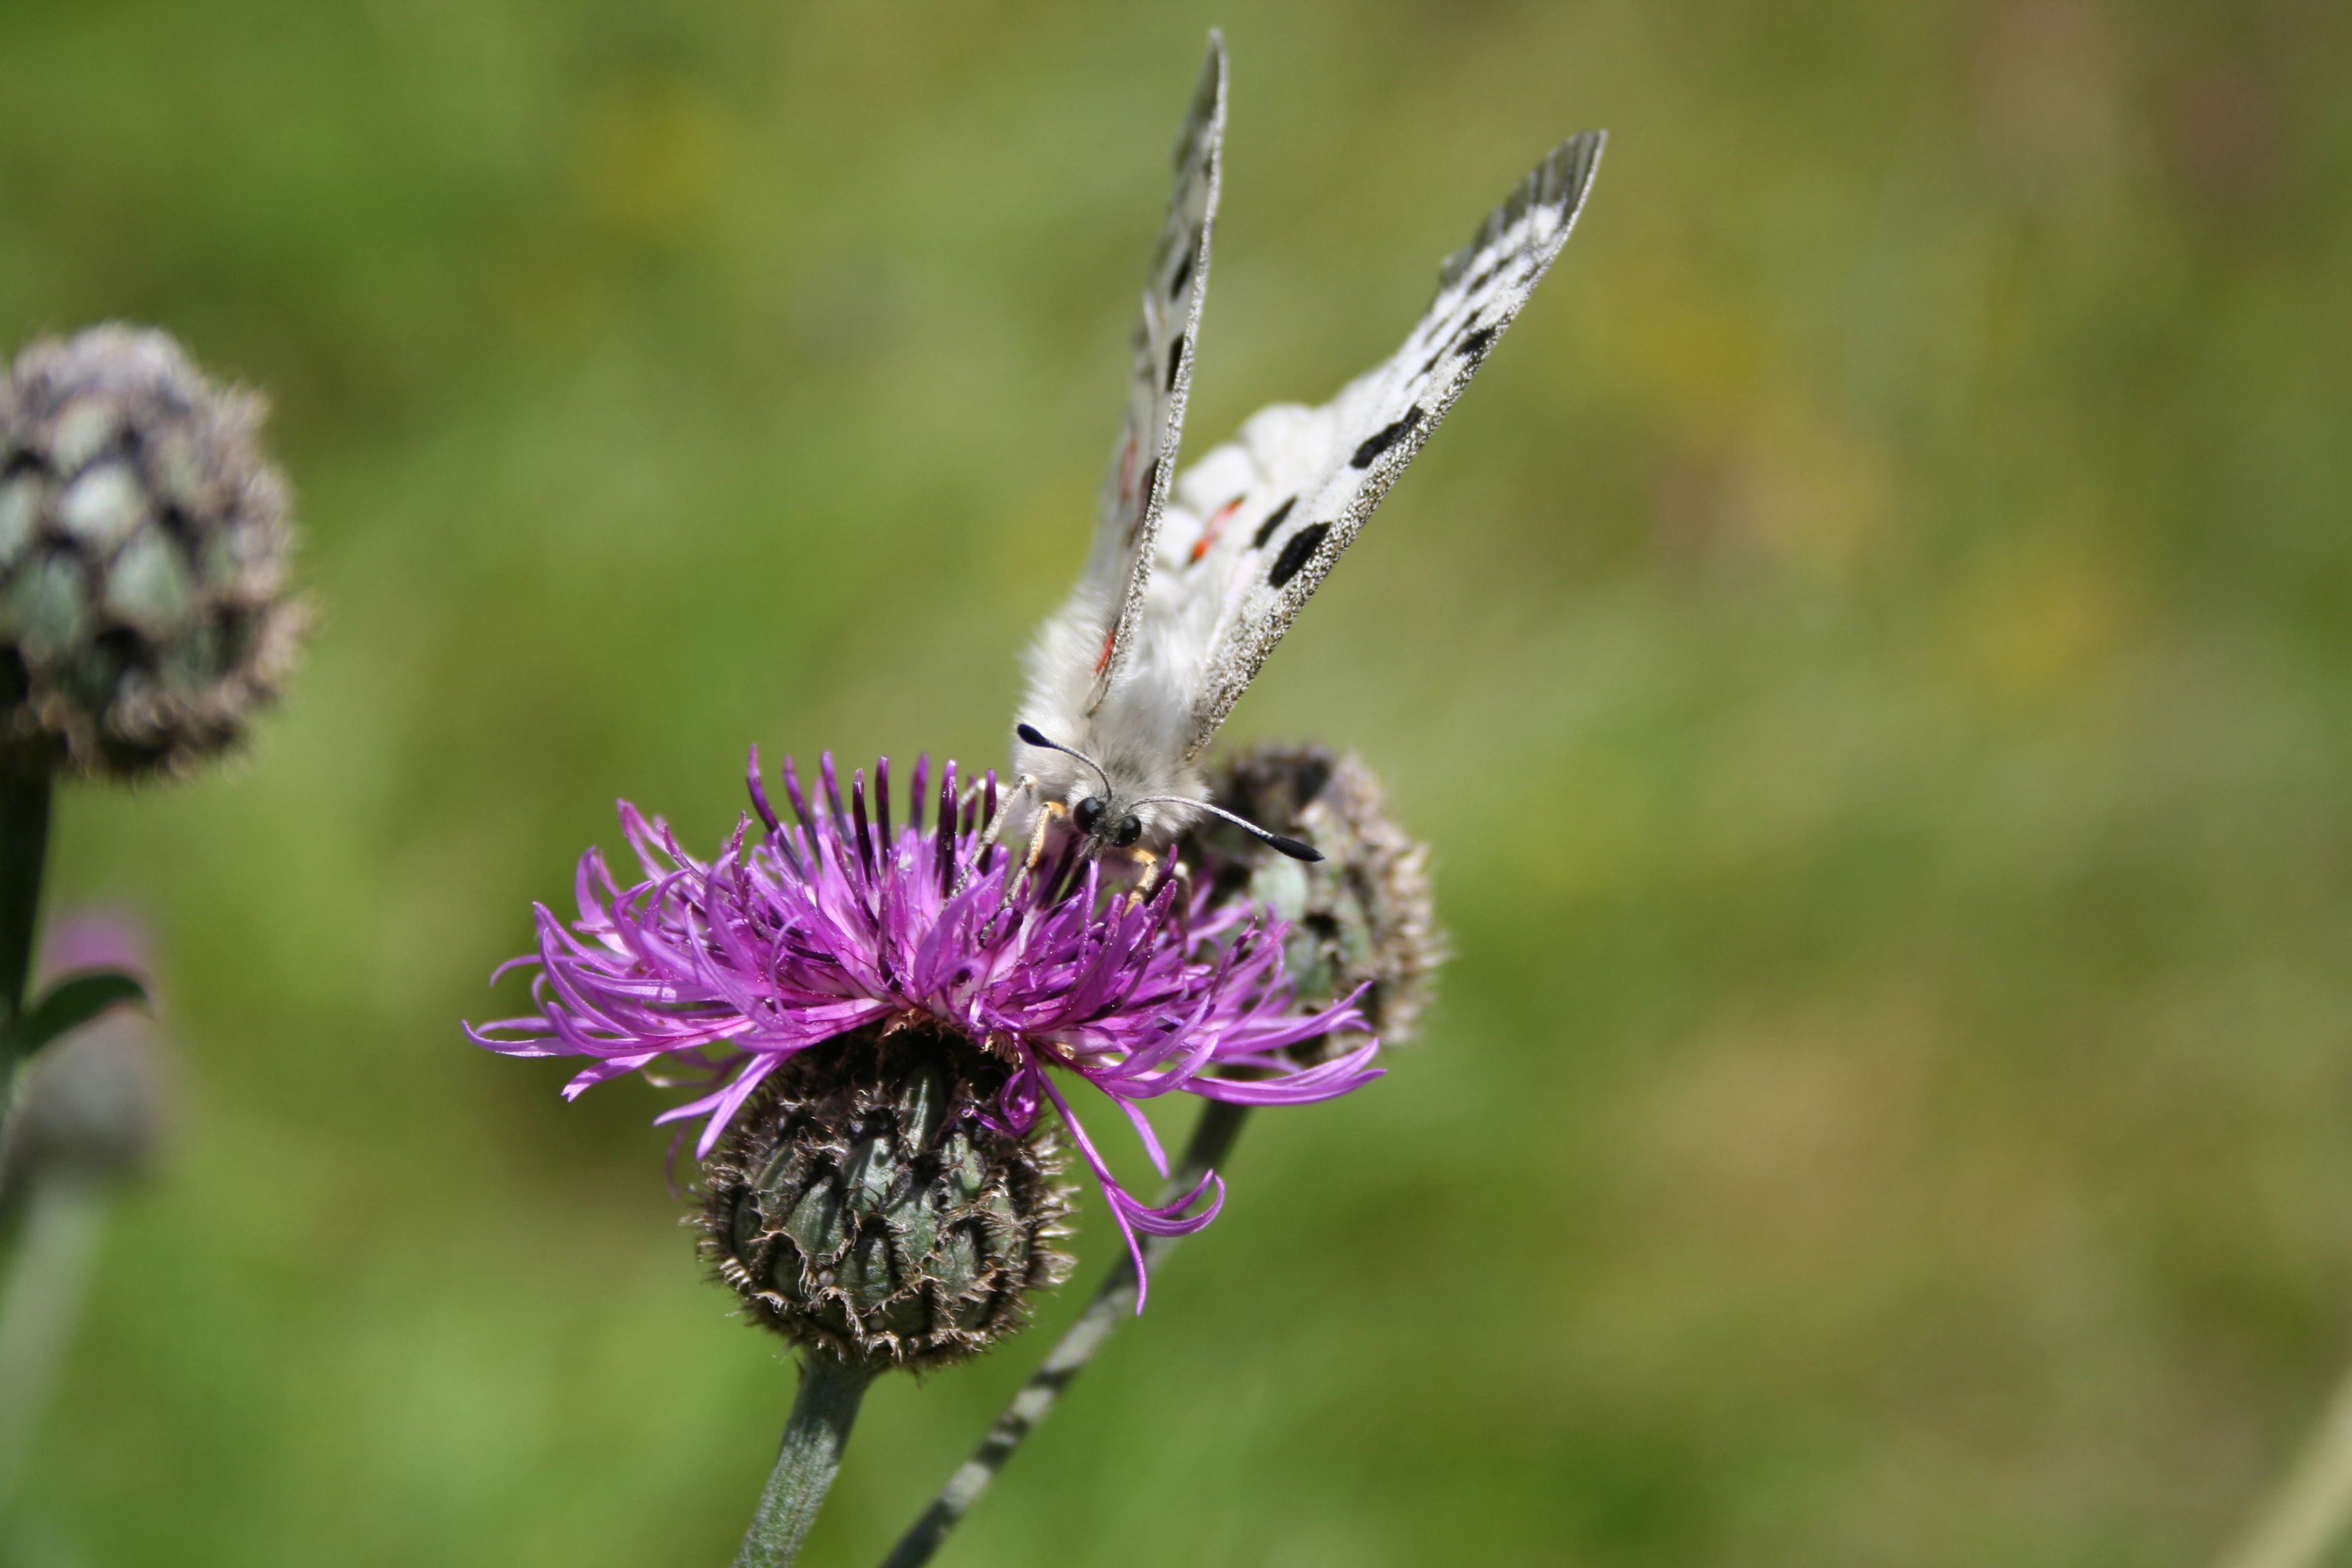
(1110, 819)
(1112, 811)
(1092, 814)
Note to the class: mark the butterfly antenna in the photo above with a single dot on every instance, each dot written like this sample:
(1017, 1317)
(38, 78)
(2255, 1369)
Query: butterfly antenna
(1035, 737)
(1290, 846)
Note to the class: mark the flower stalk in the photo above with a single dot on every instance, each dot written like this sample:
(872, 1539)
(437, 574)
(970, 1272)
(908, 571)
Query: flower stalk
(2301, 1523)
(1113, 1304)
(40, 1302)
(86, 1120)
(26, 785)
(809, 1458)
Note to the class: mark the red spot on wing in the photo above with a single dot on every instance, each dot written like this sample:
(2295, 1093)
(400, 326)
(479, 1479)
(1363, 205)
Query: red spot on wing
(1111, 640)
(1215, 526)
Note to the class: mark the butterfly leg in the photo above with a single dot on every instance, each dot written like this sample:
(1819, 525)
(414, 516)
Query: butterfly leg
(1152, 866)
(1048, 812)
(988, 835)
(1025, 785)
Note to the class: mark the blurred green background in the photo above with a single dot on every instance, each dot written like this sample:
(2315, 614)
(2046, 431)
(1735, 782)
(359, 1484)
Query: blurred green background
(1872, 655)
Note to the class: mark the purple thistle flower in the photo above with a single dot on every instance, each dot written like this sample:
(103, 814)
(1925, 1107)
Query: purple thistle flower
(795, 935)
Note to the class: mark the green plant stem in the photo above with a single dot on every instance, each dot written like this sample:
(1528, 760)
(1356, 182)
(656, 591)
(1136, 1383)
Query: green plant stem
(822, 1413)
(24, 788)
(1113, 1304)
(63, 1217)
(2298, 1524)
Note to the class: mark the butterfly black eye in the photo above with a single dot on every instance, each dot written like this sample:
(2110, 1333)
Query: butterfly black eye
(1087, 813)
(1130, 829)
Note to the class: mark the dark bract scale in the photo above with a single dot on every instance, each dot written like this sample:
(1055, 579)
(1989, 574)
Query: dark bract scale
(145, 549)
(863, 1204)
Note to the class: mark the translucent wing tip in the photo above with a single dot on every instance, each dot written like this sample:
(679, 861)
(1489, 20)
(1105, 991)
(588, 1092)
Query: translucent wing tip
(1560, 182)
(1208, 107)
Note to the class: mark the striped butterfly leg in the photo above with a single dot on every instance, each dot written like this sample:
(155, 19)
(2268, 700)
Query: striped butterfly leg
(1153, 865)
(1025, 785)
(1048, 813)
(1161, 865)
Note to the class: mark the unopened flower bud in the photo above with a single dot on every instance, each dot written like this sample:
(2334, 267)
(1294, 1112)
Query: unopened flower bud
(92, 1107)
(862, 1205)
(143, 557)
(91, 1110)
(1361, 916)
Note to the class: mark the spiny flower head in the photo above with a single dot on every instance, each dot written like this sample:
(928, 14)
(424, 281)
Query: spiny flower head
(798, 934)
(146, 551)
(1362, 920)
(862, 1204)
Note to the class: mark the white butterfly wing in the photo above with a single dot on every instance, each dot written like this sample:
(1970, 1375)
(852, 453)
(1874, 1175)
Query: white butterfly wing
(1257, 523)
(1142, 469)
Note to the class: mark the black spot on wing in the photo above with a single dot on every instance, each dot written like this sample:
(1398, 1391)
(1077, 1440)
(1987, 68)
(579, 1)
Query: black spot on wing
(1295, 554)
(1430, 364)
(1183, 271)
(1381, 440)
(1474, 346)
(1175, 360)
(1273, 521)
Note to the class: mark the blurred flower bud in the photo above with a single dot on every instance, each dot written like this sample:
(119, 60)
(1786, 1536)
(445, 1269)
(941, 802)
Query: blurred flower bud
(864, 1205)
(1363, 915)
(91, 1108)
(143, 557)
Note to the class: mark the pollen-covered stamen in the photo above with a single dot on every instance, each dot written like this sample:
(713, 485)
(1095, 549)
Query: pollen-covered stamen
(759, 787)
(857, 810)
(793, 793)
(830, 779)
(970, 806)
(943, 845)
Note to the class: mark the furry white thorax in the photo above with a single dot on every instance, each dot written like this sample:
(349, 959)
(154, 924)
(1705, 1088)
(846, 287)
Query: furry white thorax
(1138, 734)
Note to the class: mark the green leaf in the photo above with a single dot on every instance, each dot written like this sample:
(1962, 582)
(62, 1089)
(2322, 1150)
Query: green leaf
(73, 1002)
